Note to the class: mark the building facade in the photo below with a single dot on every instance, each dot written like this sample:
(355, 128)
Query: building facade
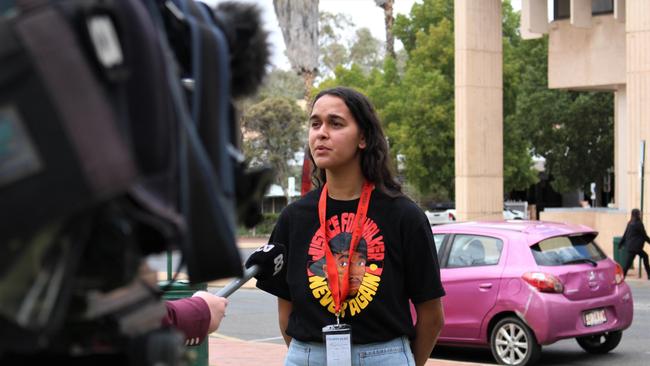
(601, 45)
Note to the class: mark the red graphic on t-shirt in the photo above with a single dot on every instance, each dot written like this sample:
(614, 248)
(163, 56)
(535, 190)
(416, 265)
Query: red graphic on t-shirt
(365, 264)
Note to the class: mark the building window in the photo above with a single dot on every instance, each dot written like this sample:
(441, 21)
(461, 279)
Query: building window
(562, 8)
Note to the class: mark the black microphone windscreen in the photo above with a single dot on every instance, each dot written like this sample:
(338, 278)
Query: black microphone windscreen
(270, 259)
(249, 45)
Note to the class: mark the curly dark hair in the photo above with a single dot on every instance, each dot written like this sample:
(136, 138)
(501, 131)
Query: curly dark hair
(375, 160)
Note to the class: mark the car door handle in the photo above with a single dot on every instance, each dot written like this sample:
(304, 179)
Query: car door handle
(485, 286)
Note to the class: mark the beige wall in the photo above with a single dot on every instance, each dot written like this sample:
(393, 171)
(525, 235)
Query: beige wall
(637, 27)
(587, 58)
(478, 109)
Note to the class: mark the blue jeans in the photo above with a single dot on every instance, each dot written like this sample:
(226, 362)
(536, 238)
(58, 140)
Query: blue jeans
(394, 352)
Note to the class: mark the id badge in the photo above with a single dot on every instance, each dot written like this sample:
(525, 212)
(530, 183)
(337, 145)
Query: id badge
(338, 344)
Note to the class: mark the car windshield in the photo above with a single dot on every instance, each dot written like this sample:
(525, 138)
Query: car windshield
(564, 250)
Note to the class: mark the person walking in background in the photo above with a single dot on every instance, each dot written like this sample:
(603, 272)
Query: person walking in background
(357, 250)
(633, 239)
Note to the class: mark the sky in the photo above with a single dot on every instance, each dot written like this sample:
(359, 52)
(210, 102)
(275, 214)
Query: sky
(364, 13)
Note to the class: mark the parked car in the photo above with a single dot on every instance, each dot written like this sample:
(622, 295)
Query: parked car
(441, 217)
(446, 216)
(515, 286)
(510, 214)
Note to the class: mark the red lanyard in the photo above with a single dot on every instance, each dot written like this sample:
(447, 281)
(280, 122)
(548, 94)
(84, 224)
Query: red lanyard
(340, 291)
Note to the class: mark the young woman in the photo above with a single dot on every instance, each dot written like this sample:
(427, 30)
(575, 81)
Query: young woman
(357, 250)
(634, 239)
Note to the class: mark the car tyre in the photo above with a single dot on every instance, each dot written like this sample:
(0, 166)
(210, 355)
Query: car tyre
(512, 342)
(600, 343)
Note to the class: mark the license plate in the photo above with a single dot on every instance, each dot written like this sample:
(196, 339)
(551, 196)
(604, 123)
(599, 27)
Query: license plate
(595, 317)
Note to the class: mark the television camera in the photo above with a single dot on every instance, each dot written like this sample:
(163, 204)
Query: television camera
(118, 139)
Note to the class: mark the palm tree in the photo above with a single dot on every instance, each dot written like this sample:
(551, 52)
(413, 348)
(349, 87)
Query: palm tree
(299, 23)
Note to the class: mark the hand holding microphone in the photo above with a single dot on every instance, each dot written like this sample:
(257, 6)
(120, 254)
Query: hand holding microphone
(265, 262)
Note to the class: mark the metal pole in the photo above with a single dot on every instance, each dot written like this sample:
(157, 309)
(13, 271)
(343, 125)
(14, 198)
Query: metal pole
(642, 160)
(169, 266)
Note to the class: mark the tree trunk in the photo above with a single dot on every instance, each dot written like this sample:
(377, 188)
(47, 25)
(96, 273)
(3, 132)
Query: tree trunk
(308, 77)
(298, 21)
(387, 5)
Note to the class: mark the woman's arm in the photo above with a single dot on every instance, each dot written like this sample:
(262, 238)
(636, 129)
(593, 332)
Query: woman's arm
(284, 310)
(430, 319)
(643, 232)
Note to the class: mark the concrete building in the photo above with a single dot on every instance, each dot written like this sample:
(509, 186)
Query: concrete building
(593, 45)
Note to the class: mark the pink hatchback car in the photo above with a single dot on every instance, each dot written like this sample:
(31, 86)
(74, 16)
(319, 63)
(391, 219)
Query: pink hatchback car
(517, 285)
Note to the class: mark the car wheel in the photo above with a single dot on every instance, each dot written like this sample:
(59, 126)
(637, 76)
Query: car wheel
(513, 343)
(600, 343)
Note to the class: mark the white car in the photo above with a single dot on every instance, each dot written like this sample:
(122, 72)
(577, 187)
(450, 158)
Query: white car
(449, 215)
(510, 214)
(441, 217)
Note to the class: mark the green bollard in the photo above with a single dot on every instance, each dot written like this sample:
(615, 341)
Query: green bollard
(198, 355)
(619, 254)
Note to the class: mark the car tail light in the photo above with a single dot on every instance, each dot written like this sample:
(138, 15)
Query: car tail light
(619, 276)
(543, 282)
(451, 217)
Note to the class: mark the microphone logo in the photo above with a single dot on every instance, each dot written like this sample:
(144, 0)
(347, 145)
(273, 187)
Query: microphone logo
(266, 248)
(279, 263)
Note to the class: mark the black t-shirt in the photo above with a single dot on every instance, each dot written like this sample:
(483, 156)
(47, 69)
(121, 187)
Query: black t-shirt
(396, 261)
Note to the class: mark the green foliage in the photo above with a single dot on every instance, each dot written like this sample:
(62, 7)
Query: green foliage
(282, 83)
(422, 15)
(333, 51)
(417, 105)
(264, 228)
(518, 173)
(273, 132)
(362, 50)
(573, 131)
(415, 101)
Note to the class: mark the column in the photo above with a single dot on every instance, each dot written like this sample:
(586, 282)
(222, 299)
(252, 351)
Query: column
(625, 159)
(637, 34)
(478, 109)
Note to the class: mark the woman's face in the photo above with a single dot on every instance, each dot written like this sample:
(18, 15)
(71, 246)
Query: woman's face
(334, 136)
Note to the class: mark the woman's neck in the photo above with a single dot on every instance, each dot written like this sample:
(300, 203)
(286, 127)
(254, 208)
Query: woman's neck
(344, 187)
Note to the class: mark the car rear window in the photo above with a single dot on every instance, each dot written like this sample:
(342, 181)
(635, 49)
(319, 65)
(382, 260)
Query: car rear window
(564, 250)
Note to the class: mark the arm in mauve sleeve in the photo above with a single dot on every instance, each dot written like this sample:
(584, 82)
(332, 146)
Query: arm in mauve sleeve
(191, 316)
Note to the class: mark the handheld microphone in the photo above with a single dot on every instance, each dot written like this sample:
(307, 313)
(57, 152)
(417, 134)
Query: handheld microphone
(265, 262)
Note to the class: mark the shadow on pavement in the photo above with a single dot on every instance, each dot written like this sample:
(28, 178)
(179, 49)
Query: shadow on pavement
(464, 354)
(549, 356)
